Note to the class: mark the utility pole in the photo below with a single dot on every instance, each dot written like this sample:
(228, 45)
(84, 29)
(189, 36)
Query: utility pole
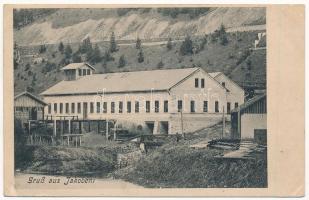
(181, 119)
(223, 126)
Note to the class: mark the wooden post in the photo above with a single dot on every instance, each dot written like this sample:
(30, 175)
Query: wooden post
(223, 121)
(68, 138)
(88, 126)
(80, 127)
(181, 119)
(55, 127)
(80, 140)
(106, 133)
(115, 132)
(69, 126)
(98, 127)
(29, 131)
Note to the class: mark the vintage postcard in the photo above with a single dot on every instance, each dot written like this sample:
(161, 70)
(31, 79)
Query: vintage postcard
(154, 100)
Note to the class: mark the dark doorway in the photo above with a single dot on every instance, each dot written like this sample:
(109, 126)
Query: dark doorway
(150, 126)
(164, 127)
(33, 114)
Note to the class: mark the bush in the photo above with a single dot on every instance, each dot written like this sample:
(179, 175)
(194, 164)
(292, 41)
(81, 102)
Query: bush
(138, 43)
(48, 67)
(140, 57)
(27, 67)
(122, 61)
(186, 47)
(169, 45)
(160, 64)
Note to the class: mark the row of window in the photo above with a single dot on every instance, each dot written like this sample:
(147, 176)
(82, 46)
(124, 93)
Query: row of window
(196, 84)
(64, 108)
(83, 72)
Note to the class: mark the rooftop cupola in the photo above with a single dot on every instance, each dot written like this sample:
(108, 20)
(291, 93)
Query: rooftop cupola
(74, 71)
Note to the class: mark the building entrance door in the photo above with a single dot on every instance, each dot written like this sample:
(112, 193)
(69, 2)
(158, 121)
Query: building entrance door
(33, 114)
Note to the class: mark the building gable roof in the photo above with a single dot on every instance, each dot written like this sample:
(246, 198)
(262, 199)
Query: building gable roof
(139, 81)
(77, 66)
(216, 74)
(26, 93)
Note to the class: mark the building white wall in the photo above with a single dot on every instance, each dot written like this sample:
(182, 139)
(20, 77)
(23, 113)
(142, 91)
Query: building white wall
(249, 122)
(236, 94)
(185, 91)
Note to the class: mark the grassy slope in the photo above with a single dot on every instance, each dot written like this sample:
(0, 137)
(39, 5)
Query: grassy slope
(178, 165)
(214, 57)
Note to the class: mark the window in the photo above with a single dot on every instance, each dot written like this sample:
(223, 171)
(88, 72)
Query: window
(55, 107)
(223, 84)
(98, 107)
(236, 105)
(202, 83)
(205, 106)
(157, 106)
(88, 71)
(216, 106)
(72, 107)
(79, 72)
(79, 109)
(147, 106)
(104, 107)
(228, 107)
(67, 108)
(91, 107)
(192, 106)
(49, 108)
(136, 106)
(120, 106)
(196, 82)
(179, 105)
(165, 106)
(112, 107)
(61, 108)
(128, 106)
(84, 72)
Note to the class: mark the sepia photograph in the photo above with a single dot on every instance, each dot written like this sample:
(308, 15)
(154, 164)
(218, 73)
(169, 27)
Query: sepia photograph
(155, 97)
(140, 97)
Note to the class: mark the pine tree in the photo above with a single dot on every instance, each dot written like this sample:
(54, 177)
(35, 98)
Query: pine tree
(122, 61)
(186, 46)
(138, 43)
(96, 54)
(68, 51)
(113, 44)
(222, 35)
(61, 47)
(140, 57)
(86, 46)
(169, 44)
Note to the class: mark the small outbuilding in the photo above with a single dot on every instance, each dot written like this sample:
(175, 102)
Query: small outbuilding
(249, 121)
(28, 107)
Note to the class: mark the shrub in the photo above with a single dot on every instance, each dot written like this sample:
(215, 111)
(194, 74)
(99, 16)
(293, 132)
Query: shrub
(160, 64)
(122, 61)
(140, 57)
(138, 43)
(186, 47)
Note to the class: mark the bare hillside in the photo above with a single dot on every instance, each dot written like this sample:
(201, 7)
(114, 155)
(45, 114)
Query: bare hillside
(73, 25)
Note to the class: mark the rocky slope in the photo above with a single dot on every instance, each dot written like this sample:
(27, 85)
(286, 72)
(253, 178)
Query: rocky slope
(73, 25)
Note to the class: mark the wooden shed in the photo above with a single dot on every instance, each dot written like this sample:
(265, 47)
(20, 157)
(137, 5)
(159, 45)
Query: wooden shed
(249, 121)
(28, 107)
